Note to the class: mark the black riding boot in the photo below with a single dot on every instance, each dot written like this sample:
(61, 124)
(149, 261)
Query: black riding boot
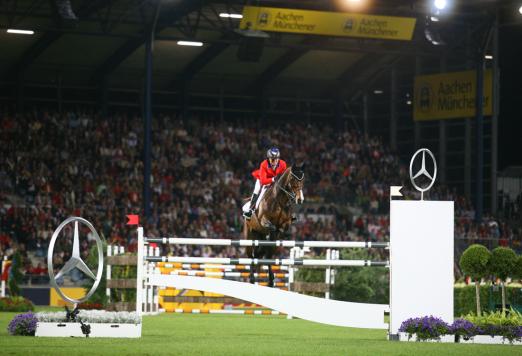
(253, 201)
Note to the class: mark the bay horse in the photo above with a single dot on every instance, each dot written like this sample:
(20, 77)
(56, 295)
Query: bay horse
(273, 217)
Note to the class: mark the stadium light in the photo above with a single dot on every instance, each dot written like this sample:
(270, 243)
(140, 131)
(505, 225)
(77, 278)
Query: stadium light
(378, 91)
(190, 43)
(232, 16)
(488, 56)
(520, 9)
(440, 4)
(20, 32)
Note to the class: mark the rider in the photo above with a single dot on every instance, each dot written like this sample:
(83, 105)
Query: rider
(265, 175)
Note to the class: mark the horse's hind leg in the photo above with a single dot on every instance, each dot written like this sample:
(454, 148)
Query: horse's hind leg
(252, 280)
(270, 276)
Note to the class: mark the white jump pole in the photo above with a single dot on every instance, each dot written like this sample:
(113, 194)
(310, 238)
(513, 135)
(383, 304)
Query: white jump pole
(278, 243)
(277, 261)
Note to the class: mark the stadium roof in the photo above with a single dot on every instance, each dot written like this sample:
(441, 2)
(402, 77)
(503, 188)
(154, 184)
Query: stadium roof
(106, 44)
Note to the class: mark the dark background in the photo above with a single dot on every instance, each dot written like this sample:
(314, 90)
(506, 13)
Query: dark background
(510, 120)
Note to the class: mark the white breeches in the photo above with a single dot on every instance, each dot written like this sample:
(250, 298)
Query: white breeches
(258, 189)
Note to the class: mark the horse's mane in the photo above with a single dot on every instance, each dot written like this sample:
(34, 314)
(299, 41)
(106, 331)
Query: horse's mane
(279, 180)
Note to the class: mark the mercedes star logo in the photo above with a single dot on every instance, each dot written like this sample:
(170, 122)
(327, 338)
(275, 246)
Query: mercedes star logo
(423, 171)
(75, 261)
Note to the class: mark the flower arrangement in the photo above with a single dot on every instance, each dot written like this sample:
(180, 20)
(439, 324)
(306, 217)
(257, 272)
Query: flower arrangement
(90, 306)
(23, 324)
(493, 324)
(497, 323)
(16, 304)
(92, 316)
(427, 327)
(464, 328)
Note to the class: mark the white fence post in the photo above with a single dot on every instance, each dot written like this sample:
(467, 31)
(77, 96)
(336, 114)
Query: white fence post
(328, 274)
(139, 273)
(155, 290)
(2, 291)
(291, 272)
(109, 271)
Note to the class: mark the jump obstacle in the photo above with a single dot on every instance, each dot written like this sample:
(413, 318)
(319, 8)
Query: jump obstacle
(163, 299)
(421, 249)
(263, 295)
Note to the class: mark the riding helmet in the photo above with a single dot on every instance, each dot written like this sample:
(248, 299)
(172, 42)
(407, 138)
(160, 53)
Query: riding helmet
(273, 153)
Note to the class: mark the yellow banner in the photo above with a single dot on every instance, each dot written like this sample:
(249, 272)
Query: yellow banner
(327, 23)
(450, 95)
(72, 292)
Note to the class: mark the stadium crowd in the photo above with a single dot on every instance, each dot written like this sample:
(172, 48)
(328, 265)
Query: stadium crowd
(55, 165)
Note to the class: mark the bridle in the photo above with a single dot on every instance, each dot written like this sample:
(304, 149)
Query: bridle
(290, 195)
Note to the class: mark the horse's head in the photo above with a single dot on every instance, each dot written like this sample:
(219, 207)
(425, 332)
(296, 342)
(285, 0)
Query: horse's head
(293, 181)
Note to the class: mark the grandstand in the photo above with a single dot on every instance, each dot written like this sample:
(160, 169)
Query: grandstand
(79, 99)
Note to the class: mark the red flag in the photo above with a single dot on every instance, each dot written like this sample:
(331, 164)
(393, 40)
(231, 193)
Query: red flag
(133, 220)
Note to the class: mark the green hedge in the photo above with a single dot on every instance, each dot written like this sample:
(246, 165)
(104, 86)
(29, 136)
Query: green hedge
(464, 298)
(354, 284)
(117, 272)
(16, 304)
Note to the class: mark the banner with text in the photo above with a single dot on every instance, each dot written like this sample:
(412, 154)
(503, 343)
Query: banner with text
(327, 23)
(450, 95)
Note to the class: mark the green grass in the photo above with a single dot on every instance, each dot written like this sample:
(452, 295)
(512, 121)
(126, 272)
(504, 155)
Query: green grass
(192, 334)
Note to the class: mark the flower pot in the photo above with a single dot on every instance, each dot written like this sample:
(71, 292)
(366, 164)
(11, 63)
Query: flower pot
(97, 330)
(487, 339)
(443, 338)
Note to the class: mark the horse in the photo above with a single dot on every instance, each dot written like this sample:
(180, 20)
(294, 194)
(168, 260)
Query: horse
(273, 217)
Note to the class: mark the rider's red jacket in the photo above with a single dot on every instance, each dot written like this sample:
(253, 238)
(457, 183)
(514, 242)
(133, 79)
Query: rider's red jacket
(265, 173)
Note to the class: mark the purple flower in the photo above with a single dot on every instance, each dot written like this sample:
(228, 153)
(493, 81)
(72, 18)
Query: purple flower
(464, 328)
(427, 327)
(23, 324)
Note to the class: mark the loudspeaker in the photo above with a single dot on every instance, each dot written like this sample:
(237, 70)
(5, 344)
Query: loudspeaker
(64, 13)
(250, 49)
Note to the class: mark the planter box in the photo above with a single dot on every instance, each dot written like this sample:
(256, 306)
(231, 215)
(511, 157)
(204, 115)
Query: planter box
(486, 339)
(443, 338)
(97, 330)
(478, 339)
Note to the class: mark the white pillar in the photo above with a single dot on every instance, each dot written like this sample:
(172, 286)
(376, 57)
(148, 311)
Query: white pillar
(421, 260)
